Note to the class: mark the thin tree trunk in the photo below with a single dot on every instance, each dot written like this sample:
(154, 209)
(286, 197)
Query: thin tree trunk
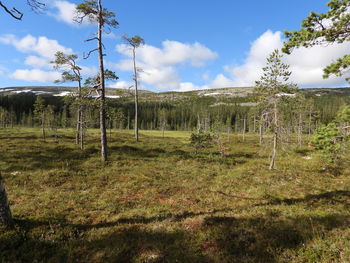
(261, 130)
(5, 212)
(275, 136)
(77, 132)
(78, 136)
(254, 125)
(81, 130)
(309, 126)
(199, 128)
(104, 155)
(300, 130)
(43, 126)
(136, 98)
(128, 120)
(244, 128)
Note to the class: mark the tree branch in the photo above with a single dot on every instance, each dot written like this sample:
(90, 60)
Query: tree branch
(90, 39)
(90, 52)
(13, 12)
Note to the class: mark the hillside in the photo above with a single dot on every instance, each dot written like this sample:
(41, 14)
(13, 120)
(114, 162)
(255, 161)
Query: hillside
(231, 92)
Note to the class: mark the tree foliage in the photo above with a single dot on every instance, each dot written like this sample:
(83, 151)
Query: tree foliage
(67, 63)
(135, 41)
(324, 28)
(271, 90)
(89, 9)
(273, 82)
(328, 139)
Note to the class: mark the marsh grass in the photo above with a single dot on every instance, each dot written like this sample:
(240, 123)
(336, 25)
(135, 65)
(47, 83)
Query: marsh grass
(157, 201)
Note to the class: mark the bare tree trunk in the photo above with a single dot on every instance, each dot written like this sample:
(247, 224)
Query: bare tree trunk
(81, 130)
(199, 127)
(261, 130)
(300, 130)
(136, 98)
(136, 122)
(254, 124)
(5, 212)
(77, 132)
(275, 137)
(309, 135)
(274, 152)
(128, 120)
(244, 128)
(104, 155)
(43, 126)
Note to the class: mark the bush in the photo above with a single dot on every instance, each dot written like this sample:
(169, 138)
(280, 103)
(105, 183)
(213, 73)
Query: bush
(201, 140)
(328, 139)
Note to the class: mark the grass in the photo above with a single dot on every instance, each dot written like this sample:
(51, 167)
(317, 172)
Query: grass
(156, 201)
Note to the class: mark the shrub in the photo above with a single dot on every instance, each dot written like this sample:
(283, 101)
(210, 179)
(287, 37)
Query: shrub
(201, 140)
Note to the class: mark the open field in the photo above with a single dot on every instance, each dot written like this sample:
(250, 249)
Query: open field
(157, 201)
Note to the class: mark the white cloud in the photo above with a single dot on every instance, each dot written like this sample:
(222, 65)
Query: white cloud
(35, 75)
(306, 64)
(159, 65)
(162, 78)
(89, 71)
(42, 45)
(37, 62)
(220, 81)
(188, 86)
(172, 53)
(65, 11)
(121, 85)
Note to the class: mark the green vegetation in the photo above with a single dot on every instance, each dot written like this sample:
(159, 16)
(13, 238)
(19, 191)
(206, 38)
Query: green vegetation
(156, 201)
(174, 195)
(324, 28)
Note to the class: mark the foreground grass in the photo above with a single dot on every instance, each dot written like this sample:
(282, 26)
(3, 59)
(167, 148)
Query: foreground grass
(155, 201)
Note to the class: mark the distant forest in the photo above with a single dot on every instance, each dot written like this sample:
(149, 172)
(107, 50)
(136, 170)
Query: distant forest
(232, 114)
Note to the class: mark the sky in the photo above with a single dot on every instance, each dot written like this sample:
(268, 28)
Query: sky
(189, 44)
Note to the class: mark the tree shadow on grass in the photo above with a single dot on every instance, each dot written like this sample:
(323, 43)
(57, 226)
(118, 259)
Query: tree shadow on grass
(47, 158)
(137, 152)
(219, 239)
(327, 198)
(264, 239)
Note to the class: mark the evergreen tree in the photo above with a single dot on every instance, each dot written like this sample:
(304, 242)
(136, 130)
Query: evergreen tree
(95, 13)
(272, 88)
(40, 114)
(72, 72)
(324, 28)
(135, 42)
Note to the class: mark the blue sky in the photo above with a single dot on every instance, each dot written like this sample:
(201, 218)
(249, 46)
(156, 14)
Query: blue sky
(189, 44)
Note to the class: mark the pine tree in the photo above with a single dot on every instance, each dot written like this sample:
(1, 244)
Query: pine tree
(95, 13)
(135, 42)
(272, 88)
(324, 28)
(40, 114)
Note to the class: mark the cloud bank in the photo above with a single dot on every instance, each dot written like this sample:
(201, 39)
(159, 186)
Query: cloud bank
(160, 66)
(306, 64)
